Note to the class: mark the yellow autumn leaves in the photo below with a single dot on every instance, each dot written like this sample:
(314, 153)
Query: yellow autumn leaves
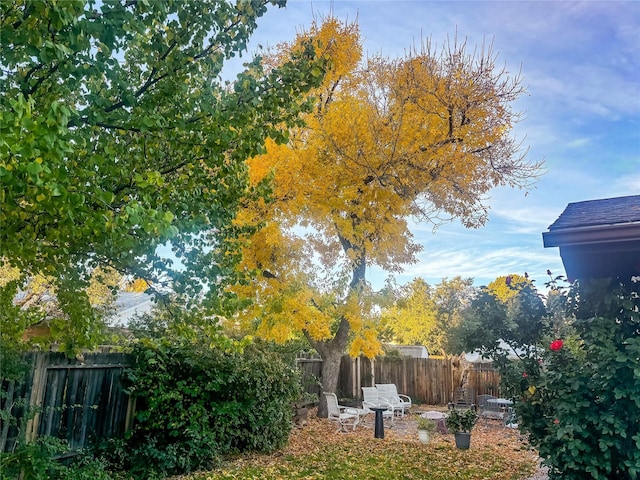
(423, 136)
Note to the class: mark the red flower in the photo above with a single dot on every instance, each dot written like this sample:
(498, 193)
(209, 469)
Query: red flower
(524, 375)
(556, 345)
(556, 421)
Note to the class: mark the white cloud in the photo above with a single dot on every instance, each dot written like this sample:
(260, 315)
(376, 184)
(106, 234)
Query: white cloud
(579, 142)
(484, 266)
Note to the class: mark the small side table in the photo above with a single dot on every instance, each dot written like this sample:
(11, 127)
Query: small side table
(379, 431)
(438, 417)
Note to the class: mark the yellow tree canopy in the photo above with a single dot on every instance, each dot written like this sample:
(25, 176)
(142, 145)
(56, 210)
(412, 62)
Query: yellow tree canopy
(413, 318)
(424, 136)
(508, 286)
(426, 315)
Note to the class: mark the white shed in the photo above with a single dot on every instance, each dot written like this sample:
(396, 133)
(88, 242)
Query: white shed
(413, 351)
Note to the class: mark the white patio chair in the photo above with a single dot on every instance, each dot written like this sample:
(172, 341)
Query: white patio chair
(343, 416)
(371, 398)
(401, 403)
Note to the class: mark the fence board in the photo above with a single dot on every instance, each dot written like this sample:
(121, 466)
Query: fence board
(72, 400)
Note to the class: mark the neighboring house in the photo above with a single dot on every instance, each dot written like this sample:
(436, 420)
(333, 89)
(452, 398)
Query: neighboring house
(598, 238)
(128, 305)
(476, 356)
(413, 351)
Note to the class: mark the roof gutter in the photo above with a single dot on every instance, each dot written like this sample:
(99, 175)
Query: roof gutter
(625, 232)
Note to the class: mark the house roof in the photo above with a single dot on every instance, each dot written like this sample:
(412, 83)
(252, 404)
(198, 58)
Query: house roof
(598, 238)
(608, 211)
(130, 304)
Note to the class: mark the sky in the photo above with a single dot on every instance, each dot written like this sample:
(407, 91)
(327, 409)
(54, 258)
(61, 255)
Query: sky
(581, 65)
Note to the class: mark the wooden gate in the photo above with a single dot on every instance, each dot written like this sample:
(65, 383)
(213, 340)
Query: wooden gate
(68, 399)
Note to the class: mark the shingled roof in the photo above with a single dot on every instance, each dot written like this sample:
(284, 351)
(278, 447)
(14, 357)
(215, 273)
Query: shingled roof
(608, 211)
(598, 238)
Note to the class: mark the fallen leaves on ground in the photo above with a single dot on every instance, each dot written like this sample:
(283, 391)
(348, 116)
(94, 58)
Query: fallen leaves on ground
(316, 452)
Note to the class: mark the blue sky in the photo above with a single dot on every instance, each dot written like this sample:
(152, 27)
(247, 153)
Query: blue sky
(581, 65)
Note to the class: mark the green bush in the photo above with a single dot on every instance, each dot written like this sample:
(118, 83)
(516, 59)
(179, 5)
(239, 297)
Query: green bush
(33, 460)
(39, 460)
(581, 406)
(196, 403)
(86, 467)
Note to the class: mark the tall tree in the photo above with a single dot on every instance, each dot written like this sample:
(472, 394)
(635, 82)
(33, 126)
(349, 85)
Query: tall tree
(118, 135)
(517, 318)
(413, 317)
(426, 315)
(508, 286)
(423, 136)
(451, 297)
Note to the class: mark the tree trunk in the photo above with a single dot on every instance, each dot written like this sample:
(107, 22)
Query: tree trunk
(331, 352)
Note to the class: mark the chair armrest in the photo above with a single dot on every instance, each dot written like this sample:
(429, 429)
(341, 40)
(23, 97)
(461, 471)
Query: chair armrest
(367, 405)
(404, 398)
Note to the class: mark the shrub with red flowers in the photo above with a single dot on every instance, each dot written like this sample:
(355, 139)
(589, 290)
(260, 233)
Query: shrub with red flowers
(577, 380)
(582, 408)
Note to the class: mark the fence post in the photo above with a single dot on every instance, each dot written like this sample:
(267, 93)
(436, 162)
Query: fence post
(36, 397)
(358, 378)
(8, 406)
(373, 371)
(131, 412)
(353, 376)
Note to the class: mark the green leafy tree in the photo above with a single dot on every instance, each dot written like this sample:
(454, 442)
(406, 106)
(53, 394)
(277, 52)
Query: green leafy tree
(451, 297)
(576, 382)
(514, 316)
(117, 135)
(519, 320)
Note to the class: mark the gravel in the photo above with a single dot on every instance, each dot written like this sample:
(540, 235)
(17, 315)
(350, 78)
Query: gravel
(542, 473)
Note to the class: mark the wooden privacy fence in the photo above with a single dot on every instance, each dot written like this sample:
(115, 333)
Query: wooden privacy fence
(84, 400)
(483, 379)
(68, 399)
(425, 380)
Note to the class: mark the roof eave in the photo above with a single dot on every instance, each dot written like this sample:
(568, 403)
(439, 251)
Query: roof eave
(597, 234)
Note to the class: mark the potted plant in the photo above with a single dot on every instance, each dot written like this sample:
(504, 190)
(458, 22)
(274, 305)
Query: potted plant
(426, 428)
(460, 422)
